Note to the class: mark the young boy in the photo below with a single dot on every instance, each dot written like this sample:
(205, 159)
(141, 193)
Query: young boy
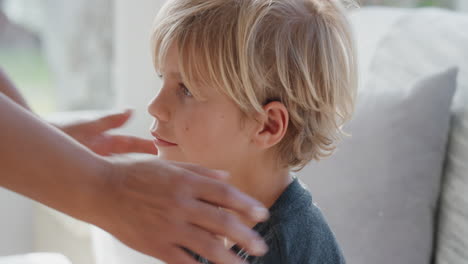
(257, 88)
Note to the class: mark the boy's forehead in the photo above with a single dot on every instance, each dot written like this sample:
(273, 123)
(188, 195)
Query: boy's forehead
(170, 65)
(171, 73)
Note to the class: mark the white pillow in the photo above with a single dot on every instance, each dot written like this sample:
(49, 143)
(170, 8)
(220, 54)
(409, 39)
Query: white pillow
(379, 190)
(424, 41)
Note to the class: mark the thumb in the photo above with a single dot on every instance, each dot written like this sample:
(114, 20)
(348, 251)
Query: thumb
(112, 121)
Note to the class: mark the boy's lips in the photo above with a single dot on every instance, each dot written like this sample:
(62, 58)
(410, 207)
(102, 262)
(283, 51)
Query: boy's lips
(160, 142)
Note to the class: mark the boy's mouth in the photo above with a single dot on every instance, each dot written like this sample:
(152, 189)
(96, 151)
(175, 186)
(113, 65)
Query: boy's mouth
(159, 142)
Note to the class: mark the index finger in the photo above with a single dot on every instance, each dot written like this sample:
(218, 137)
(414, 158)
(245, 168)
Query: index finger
(130, 144)
(112, 121)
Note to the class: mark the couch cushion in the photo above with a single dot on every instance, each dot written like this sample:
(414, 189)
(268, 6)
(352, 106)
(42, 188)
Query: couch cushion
(452, 241)
(379, 190)
(423, 42)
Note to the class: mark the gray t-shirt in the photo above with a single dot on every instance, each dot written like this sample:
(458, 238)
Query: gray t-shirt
(296, 232)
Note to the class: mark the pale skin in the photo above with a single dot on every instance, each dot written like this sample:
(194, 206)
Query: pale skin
(210, 131)
(153, 206)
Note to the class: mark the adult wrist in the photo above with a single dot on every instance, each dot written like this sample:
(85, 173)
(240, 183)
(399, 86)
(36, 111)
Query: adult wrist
(98, 192)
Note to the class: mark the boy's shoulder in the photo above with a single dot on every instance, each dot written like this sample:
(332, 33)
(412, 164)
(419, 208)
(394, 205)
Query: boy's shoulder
(297, 231)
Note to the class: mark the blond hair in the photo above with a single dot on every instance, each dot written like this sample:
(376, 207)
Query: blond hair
(298, 52)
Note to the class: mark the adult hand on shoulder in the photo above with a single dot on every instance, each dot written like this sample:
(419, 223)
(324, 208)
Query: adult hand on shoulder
(94, 135)
(177, 205)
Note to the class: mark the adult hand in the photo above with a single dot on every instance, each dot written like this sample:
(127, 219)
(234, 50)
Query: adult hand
(177, 206)
(93, 134)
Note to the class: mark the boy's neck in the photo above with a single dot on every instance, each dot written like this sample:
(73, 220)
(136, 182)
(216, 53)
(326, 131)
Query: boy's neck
(262, 182)
(267, 190)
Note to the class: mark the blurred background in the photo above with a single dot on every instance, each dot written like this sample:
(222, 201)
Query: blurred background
(60, 53)
(79, 55)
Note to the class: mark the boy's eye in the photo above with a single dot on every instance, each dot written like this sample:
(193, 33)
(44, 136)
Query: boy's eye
(185, 90)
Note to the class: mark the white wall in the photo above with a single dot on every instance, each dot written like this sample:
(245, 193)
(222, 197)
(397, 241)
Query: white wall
(136, 83)
(462, 5)
(135, 78)
(16, 230)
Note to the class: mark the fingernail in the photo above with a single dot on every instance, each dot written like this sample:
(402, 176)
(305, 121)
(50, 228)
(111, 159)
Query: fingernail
(260, 213)
(259, 247)
(222, 174)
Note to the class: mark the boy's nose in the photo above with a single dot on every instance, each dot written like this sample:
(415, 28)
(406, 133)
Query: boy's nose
(158, 109)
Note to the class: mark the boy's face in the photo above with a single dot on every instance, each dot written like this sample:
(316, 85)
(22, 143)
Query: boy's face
(208, 132)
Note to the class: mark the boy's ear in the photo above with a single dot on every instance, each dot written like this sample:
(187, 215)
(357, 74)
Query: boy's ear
(272, 125)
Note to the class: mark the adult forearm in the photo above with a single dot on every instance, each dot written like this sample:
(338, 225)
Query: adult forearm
(40, 162)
